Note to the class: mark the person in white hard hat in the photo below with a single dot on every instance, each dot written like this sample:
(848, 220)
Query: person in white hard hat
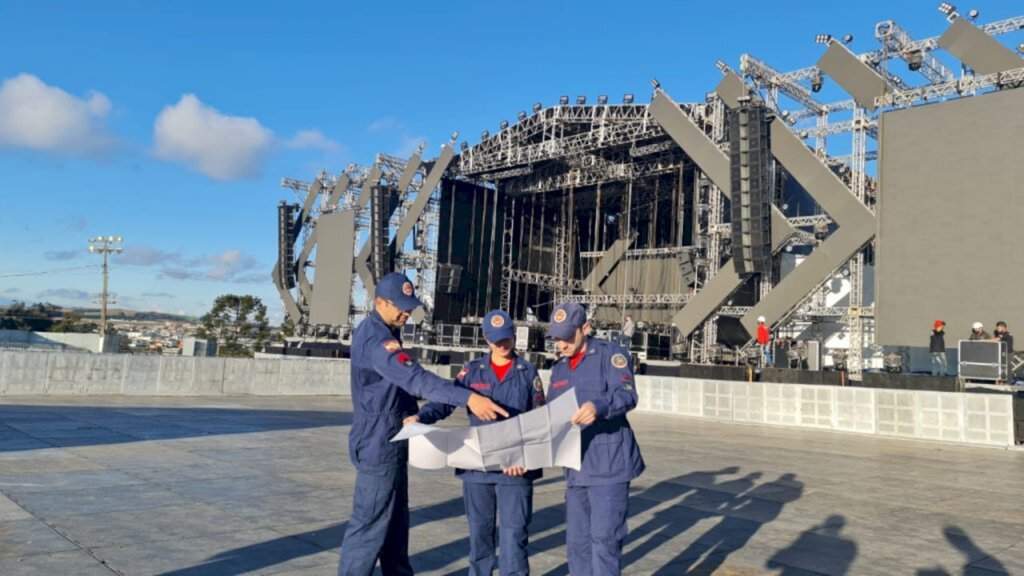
(764, 338)
(978, 332)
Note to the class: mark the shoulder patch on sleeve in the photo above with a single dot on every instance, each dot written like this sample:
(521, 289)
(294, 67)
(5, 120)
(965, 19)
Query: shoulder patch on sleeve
(538, 384)
(619, 361)
(462, 373)
(405, 359)
(392, 346)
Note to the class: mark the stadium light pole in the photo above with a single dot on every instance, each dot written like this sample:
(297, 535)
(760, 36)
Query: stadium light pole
(104, 245)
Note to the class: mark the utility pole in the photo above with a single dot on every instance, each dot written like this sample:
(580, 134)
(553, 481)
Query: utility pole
(104, 246)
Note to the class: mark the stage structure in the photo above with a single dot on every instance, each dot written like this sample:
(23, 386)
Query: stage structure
(696, 218)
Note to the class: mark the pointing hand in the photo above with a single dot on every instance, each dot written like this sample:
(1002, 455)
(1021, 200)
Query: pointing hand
(485, 408)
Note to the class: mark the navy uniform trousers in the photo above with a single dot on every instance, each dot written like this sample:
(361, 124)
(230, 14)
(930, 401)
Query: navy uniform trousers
(597, 495)
(498, 507)
(385, 384)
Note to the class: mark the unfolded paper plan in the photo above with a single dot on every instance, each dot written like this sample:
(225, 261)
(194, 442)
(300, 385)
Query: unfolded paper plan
(539, 438)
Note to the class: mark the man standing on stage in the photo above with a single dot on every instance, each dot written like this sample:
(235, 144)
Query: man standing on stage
(385, 383)
(596, 496)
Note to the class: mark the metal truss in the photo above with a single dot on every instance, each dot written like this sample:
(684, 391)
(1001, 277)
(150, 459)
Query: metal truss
(642, 253)
(649, 300)
(544, 280)
(598, 171)
(965, 86)
(897, 41)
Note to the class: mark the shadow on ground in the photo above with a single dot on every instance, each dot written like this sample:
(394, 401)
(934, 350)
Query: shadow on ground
(33, 427)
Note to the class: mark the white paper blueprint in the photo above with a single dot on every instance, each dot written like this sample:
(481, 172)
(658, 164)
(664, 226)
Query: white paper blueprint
(539, 438)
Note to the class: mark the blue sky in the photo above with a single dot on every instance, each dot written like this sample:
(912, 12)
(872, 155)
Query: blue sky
(172, 123)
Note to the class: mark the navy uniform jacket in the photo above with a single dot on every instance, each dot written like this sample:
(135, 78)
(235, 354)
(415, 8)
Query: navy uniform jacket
(385, 382)
(603, 376)
(520, 391)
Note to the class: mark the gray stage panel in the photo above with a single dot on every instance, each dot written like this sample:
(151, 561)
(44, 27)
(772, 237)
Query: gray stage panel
(692, 140)
(611, 257)
(977, 49)
(854, 76)
(731, 89)
(332, 285)
(952, 200)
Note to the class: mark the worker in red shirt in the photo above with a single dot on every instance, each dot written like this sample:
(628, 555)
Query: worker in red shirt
(764, 338)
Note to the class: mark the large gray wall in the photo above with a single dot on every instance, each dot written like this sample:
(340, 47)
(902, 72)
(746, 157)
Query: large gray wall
(952, 202)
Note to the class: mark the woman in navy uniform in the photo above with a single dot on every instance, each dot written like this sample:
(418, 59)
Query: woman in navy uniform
(385, 383)
(496, 499)
(597, 495)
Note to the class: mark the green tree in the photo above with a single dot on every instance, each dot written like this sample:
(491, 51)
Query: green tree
(239, 323)
(20, 316)
(72, 322)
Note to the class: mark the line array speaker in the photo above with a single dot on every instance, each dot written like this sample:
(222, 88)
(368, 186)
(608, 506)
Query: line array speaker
(751, 197)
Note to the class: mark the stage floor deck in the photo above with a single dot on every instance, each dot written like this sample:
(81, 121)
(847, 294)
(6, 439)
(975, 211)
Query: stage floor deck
(261, 485)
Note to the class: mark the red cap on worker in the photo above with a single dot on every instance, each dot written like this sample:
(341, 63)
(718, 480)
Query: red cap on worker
(939, 323)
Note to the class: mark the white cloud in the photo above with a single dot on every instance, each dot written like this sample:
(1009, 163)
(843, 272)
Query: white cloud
(38, 116)
(312, 139)
(385, 124)
(221, 146)
(409, 144)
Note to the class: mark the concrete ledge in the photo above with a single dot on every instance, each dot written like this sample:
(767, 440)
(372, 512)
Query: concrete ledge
(986, 419)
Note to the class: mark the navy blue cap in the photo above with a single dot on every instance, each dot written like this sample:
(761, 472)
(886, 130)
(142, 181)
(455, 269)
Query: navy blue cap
(498, 326)
(399, 290)
(565, 320)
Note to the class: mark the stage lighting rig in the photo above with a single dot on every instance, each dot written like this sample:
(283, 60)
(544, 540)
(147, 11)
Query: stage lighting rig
(581, 100)
(825, 39)
(563, 100)
(627, 99)
(817, 82)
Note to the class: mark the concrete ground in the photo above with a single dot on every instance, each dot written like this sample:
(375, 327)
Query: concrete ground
(259, 485)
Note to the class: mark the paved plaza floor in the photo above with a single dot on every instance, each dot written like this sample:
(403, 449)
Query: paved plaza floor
(258, 485)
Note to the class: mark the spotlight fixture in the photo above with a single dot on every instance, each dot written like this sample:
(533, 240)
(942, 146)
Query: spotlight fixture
(897, 81)
(455, 136)
(464, 146)
(914, 60)
(823, 39)
(722, 66)
(602, 99)
(503, 124)
(521, 116)
(655, 84)
(972, 15)
(1020, 48)
(485, 135)
(537, 107)
(581, 100)
(816, 83)
(847, 38)
(628, 98)
(563, 100)
(947, 8)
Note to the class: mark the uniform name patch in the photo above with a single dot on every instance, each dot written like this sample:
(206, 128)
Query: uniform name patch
(497, 321)
(560, 384)
(480, 386)
(619, 361)
(559, 316)
(407, 289)
(392, 346)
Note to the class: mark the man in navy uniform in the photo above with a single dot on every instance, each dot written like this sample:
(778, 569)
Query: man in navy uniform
(502, 499)
(596, 496)
(385, 384)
